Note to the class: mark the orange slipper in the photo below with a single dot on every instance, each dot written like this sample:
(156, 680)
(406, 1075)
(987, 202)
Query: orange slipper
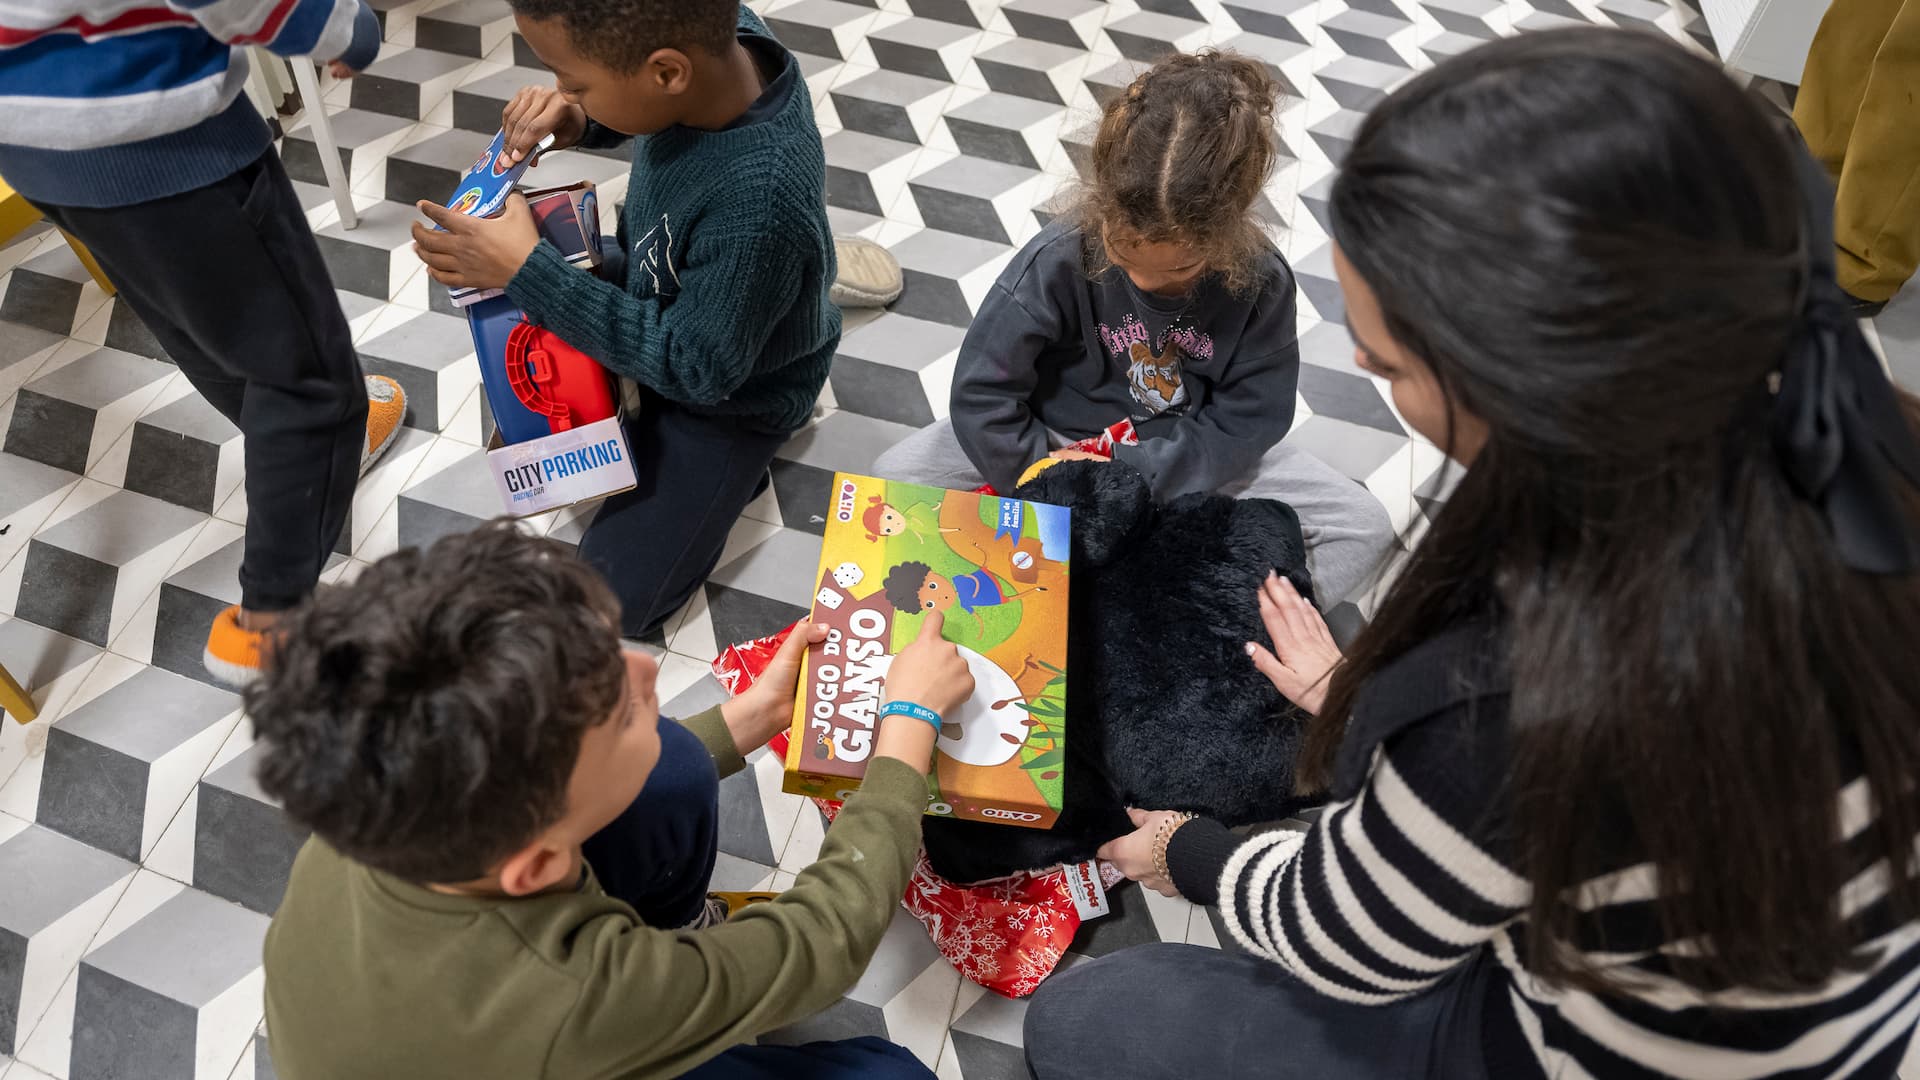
(386, 407)
(233, 652)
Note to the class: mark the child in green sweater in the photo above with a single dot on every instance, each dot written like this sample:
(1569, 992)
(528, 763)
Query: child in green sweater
(716, 303)
(511, 847)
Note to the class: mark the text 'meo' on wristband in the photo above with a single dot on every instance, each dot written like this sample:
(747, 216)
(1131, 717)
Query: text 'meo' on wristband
(908, 708)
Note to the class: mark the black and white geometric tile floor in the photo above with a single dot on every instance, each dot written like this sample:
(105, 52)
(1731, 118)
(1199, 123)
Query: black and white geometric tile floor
(139, 861)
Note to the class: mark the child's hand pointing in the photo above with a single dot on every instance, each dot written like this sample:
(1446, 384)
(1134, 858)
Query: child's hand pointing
(476, 253)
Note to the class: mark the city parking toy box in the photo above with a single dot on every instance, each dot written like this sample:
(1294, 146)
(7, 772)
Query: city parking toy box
(997, 569)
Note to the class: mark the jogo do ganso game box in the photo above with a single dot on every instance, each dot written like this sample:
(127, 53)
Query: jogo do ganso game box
(997, 568)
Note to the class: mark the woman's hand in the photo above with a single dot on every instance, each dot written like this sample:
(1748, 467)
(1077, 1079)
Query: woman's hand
(1133, 853)
(1303, 655)
(533, 114)
(765, 709)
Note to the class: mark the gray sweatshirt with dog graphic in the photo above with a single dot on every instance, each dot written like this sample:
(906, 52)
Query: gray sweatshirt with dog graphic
(1207, 378)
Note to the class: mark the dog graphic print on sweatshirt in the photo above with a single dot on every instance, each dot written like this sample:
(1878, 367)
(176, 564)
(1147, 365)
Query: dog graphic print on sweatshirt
(1207, 378)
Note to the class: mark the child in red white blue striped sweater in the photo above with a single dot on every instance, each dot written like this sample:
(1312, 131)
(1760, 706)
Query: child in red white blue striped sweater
(122, 121)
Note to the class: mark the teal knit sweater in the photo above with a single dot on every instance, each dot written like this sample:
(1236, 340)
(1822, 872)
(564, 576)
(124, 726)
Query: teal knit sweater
(729, 256)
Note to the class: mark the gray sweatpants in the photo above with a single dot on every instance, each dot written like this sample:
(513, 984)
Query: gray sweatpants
(1346, 529)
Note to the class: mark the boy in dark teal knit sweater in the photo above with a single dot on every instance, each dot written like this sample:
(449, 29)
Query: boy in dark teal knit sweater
(716, 306)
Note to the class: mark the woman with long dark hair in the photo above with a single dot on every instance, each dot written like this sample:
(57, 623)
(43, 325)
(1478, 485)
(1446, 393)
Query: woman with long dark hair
(1625, 773)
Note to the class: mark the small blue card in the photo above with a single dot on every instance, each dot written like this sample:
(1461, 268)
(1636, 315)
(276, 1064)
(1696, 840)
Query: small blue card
(483, 190)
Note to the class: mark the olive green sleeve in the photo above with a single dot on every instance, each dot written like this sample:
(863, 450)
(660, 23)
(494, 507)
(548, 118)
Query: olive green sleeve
(658, 1003)
(711, 729)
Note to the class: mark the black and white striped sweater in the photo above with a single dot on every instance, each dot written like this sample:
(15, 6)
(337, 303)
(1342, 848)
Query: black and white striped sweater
(1406, 878)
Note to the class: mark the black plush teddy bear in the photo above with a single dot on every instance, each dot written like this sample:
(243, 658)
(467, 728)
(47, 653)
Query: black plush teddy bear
(1164, 710)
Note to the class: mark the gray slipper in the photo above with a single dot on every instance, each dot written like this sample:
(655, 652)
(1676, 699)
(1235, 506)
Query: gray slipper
(869, 274)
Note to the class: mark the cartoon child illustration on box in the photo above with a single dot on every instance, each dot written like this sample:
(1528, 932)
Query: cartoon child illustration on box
(883, 519)
(914, 587)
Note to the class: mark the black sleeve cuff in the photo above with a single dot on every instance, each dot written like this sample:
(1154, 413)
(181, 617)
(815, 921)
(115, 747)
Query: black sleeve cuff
(598, 136)
(1196, 855)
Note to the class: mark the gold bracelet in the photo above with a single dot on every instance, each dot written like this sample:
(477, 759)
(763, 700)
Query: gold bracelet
(1164, 837)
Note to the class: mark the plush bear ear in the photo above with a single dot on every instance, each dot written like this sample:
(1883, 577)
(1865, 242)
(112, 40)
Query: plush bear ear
(1110, 502)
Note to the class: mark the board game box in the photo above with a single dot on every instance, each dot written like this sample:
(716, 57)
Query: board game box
(997, 568)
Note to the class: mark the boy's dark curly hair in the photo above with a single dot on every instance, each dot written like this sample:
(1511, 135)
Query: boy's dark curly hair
(424, 719)
(620, 34)
(903, 584)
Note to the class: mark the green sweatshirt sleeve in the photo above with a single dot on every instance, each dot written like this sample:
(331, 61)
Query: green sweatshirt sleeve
(697, 349)
(659, 1003)
(711, 729)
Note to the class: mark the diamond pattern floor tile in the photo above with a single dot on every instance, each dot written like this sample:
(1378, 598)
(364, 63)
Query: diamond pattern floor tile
(950, 129)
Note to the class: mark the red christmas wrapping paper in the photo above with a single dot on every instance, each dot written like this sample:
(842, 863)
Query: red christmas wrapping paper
(1007, 934)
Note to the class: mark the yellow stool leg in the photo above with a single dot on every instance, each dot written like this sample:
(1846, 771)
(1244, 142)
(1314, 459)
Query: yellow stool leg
(86, 260)
(15, 699)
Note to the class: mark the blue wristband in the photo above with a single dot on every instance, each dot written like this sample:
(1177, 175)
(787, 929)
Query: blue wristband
(908, 708)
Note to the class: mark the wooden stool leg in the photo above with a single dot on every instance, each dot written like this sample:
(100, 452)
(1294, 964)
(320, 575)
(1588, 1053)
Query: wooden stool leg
(86, 260)
(15, 699)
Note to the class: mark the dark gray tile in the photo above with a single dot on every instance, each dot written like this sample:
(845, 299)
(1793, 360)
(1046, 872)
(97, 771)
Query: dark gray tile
(1352, 398)
(383, 94)
(1129, 924)
(122, 1031)
(243, 846)
(950, 11)
(987, 1059)
(801, 490)
(354, 267)
(742, 616)
(851, 190)
(958, 212)
(458, 28)
(126, 332)
(880, 390)
(174, 467)
(910, 58)
(180, 632)
(41, 301)
(743, 822)
(1010, 77)
(1139, 47)
(1266, 19)
(51, 431)
(94, 794)
(995, 144)
(844, 1019)
(933, 298)
(882, 118)
(429, 169)
(263, 1060)
(1179, 9)
(13, 970)
(67, 593)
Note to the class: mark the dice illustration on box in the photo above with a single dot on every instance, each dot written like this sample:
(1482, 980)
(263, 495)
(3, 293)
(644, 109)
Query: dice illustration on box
(847, 575)
(829, 599)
